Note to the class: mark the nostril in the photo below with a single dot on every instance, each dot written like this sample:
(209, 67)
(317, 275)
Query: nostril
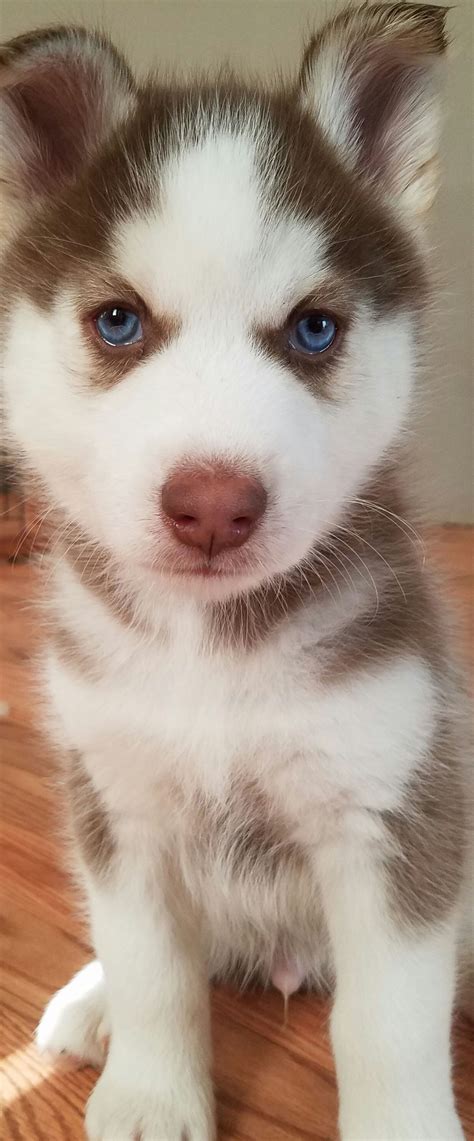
(184, 520)
(242, 521)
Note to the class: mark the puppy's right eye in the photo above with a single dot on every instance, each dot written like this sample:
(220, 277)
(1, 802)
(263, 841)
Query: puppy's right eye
(119, 327)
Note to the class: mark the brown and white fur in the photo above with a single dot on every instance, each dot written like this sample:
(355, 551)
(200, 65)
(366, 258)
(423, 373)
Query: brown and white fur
(264, 758)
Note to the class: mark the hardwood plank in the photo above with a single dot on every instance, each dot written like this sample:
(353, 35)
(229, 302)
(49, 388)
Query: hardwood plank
(274, 1082)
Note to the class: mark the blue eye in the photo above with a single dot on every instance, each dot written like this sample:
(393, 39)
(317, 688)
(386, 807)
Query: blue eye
(313, 332)
(118, 326)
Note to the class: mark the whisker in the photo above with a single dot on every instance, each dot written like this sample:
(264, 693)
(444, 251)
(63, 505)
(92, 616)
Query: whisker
(398, 521)
(355, 535)
(366, 568)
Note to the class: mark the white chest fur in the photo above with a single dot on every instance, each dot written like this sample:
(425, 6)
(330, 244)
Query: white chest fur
(169, 708)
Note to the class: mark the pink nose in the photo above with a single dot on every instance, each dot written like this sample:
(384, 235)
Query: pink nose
(212, 508)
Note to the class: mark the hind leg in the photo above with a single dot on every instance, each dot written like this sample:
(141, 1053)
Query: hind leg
(75, 1021)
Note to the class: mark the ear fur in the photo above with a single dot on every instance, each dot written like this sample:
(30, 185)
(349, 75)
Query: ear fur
(370, 79)
(62, 92)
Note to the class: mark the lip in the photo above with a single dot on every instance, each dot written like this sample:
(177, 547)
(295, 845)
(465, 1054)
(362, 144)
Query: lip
(220, 569)
(203, 572)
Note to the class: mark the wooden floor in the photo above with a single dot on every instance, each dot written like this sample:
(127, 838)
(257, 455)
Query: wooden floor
(273, 1083)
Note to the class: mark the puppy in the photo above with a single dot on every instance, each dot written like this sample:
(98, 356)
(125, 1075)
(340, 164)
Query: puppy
(214, 307)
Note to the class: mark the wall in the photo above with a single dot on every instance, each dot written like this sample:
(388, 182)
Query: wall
(264, 35)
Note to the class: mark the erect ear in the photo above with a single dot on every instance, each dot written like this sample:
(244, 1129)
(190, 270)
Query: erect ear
(370, 79)
(62, 92)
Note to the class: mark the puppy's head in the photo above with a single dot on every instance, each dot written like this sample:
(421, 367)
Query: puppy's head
(214, 292)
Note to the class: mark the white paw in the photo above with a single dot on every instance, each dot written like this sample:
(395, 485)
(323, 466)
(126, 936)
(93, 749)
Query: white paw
(424, 1124)
(132, 1102)
(75, 1020)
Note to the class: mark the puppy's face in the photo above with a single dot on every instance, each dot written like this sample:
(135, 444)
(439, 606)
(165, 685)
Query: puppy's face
(212, 318)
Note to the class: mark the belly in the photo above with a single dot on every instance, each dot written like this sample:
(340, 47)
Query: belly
(255, 889)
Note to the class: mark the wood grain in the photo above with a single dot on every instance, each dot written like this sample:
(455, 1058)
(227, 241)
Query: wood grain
(274, 1083)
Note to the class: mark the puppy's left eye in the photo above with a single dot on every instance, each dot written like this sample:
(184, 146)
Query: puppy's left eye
(312, 332)
(117, 326)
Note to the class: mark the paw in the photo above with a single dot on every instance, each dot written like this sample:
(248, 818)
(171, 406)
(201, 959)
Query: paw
(422, 1125)
(75, 1021)
(127, 1107)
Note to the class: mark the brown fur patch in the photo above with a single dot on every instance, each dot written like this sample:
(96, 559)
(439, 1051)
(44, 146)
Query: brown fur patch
(91, 563)
(94, 568)
(111, 364)
(258, 843)
(367, 250)
(89, 821)
(318, 372)
(28, 43)
(429, 832)
(372, 547)
(247, 837)
(417, 29)
(71, 652)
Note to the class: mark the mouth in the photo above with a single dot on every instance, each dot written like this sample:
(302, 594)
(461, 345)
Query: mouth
(205, 572)
(218, 573)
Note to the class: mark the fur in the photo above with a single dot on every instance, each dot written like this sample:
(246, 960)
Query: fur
(265, 765)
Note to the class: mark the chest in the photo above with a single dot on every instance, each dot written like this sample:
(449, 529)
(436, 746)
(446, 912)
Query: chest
(174, 717)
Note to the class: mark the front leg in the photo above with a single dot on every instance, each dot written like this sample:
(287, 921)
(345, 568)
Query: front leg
(156, 1082)
(391, 1018)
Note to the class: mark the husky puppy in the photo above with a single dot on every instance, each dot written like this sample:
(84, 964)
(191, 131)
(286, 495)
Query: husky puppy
(214, 298)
